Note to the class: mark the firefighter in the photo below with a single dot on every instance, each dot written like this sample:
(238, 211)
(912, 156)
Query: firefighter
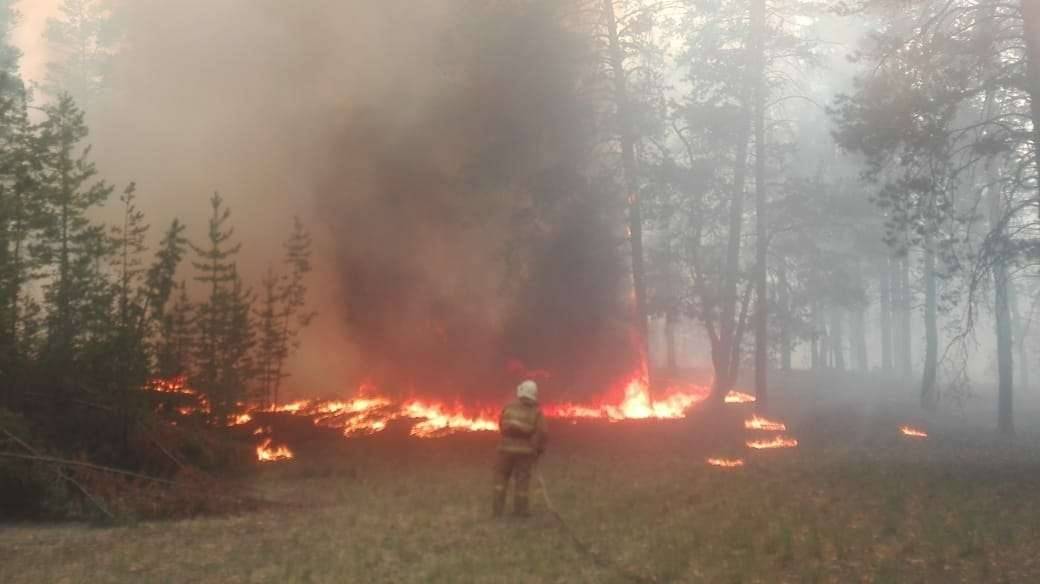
(523, 441)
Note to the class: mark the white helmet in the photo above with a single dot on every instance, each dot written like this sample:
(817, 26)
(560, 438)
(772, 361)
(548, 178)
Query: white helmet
(527, 390)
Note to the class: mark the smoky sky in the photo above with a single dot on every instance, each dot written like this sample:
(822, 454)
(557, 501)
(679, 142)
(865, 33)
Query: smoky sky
(440, 152)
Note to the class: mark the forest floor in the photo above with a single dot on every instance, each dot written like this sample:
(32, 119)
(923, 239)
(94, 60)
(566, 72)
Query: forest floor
(855, 502)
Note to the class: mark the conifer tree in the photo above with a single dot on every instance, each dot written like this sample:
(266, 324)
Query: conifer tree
(71, 246)
(222, 329)
(176, 336)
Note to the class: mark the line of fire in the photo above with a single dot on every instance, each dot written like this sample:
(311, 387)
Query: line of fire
(519, 291)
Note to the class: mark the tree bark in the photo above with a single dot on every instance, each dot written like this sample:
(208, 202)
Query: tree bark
(885, 285)
(928, 391)
(628, 166)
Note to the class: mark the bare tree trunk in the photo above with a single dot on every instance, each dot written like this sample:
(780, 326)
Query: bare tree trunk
(785, 321)
(1001, 305)
(1005, 415)
(837, 339)
(905, 309)
(931, 354)
(1018, 336)
(628, 165)
(858, 339)
(757, 46)
(885, 285)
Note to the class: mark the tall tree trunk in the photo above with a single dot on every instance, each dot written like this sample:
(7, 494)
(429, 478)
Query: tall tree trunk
(858, 339)
(931, 353)
(1002, 308)
(757, 45)
(837, 339)
(1018, 334)
(1005, 416)
(906, 361)
(885, 285)
(784, 299)
(628, 166)
(724, 380)
(672, 364)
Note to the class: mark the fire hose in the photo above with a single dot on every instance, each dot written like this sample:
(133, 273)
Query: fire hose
(597, 558)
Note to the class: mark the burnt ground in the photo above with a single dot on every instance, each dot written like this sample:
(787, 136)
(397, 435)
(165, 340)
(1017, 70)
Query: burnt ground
(855, 502)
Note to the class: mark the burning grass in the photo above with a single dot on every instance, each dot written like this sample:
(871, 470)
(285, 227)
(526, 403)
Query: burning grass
(913, 432)
(380, 509)
(775, 442)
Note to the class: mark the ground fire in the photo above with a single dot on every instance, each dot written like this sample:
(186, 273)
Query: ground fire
(758, 423)
(777, 442)
(726, 462)
(913, 432)
(372, 412)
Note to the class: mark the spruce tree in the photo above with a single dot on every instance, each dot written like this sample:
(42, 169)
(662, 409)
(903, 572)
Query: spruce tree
(222, 329)
(71, 247)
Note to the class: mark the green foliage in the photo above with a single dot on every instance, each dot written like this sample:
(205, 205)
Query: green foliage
(223, 365)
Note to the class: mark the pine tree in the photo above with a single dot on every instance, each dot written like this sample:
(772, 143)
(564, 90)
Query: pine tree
(295, 315)
(222, 328)
(71, 246)
(269, 350)
(176, 336)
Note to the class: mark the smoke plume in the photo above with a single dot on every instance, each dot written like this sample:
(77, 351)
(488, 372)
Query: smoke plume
(440, 151)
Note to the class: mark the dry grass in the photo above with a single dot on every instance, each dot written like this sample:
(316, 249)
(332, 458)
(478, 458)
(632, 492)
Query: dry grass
(854, 503)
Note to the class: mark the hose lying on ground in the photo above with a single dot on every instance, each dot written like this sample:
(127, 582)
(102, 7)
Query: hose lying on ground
(583, 548)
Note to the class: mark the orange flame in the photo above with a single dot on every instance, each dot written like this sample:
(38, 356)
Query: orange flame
(265, 453)
(778, 442)
(739, 397)
(637, 404)
(437, 422)
(370, 413)
(759, 423)
(726, 462)
(240, 419)
(913, 432)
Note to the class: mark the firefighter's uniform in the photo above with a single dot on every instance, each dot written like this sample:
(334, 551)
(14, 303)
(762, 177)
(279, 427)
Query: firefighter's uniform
(523, 441)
